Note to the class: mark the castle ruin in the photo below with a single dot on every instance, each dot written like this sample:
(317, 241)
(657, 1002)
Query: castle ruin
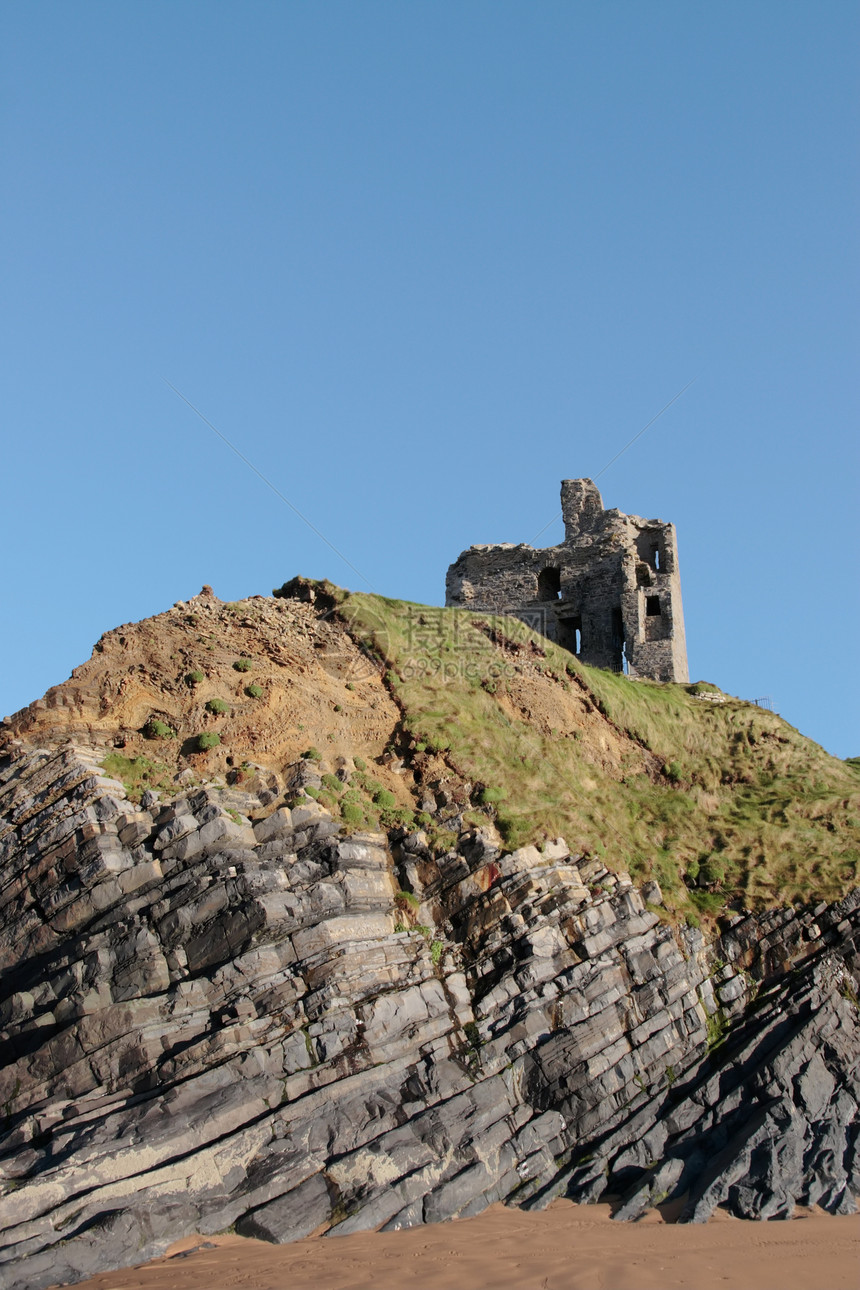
(610, 592)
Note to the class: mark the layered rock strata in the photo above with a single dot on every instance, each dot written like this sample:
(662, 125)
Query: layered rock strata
(219, 1014)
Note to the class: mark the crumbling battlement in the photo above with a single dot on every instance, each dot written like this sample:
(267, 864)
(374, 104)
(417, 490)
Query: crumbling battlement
(610, 593)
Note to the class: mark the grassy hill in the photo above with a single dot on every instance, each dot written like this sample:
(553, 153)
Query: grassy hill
(717, 799)
(442, 718)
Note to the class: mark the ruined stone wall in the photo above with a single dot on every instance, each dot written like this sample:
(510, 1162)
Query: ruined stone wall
(610, 593)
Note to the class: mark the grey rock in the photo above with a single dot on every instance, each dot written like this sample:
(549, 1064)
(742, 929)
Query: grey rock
(237, 1002)
(290, 1217)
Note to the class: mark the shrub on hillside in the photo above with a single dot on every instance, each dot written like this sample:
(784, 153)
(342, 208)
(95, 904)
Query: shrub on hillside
(155, 729)
(352, 814)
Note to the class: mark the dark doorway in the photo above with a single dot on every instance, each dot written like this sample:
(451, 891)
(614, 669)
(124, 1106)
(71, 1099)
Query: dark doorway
(549, 584)
(570, 634)
(652, 606)
(619, 660)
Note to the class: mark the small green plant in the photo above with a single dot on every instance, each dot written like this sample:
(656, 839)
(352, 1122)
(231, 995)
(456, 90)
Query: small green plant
(217, 706)
(359, 763)
(312, 754)
(473, 1035)
(155, 729)
(332, 783)
(384, 800)
(713, 872)
(234, 815)
(848, 992)
(196, 677)
(209, 739)
(672, 771)
(242, 665)
(253, 691)
(311, 791)
(404, 898)
(718, 1025)
(352, 814)
(436, 950)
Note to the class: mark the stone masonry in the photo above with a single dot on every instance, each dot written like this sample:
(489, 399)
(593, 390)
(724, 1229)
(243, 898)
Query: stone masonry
(610, 592)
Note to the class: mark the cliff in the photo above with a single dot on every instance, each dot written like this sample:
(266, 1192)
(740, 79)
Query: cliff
(295, 994)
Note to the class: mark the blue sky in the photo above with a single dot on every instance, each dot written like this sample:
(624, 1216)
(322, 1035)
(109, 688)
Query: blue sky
(421, 261)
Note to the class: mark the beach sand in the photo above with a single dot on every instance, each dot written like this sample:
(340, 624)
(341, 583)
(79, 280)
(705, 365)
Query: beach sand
(567, 1247)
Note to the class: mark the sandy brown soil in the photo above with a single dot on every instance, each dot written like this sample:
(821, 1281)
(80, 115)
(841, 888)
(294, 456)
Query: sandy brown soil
(316, 690)
(569, 1247)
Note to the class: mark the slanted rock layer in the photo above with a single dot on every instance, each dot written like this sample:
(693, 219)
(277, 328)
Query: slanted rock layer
(218, 1012)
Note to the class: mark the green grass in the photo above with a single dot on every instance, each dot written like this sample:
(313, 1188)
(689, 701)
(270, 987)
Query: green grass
(718, 1026)
(217, 706)
(352, 815)
(764, 813)
(138, 774)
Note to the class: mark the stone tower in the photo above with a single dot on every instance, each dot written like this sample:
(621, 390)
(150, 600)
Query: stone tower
(610, 593)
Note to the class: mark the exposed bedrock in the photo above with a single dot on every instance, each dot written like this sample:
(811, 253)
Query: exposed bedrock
(213, 1022)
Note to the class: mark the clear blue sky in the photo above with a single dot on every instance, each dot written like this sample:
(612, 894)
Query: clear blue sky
(420, 261)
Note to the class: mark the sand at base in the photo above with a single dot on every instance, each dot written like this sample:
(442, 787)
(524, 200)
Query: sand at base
(567, 1247)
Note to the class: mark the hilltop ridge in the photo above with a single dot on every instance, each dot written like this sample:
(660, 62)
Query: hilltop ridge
(468, 719)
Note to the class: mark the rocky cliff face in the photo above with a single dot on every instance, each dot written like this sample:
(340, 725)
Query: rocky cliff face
(219, 1012)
